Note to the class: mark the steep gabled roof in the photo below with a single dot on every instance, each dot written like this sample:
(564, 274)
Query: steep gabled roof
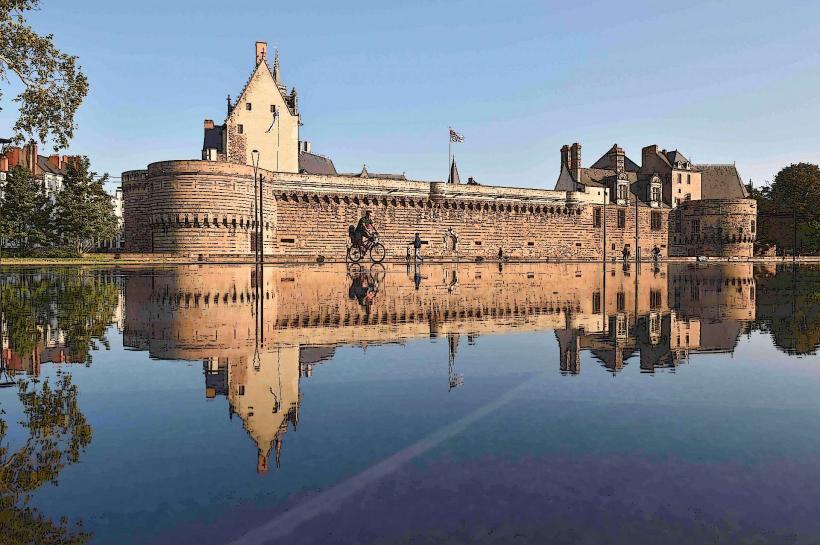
(213, 138)
(311, 163)
(607, 160)
(675, 156)
(721, 182)
(277, 84)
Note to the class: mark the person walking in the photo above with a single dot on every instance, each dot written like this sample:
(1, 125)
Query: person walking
(417, 248)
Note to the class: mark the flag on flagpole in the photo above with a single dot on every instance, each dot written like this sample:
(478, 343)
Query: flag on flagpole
(455, 137)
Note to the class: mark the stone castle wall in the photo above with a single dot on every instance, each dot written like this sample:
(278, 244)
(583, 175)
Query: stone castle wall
(714, 228)
(205, 208)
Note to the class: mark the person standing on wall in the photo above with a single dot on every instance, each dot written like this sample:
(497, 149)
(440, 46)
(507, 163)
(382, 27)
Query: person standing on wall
(417, 248)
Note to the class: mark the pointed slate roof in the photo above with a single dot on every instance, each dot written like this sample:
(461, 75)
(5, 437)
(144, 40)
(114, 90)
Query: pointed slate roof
(453, 177)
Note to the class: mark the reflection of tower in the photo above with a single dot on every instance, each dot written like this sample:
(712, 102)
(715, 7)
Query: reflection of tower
(454, 380)
(267, 400)
(569, 347)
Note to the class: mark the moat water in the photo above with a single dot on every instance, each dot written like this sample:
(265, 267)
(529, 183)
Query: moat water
(466, 403)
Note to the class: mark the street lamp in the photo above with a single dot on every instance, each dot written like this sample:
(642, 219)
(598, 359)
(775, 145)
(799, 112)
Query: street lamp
(255, 163)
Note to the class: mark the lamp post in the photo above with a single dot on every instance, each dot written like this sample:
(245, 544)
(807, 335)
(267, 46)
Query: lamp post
(255, 163)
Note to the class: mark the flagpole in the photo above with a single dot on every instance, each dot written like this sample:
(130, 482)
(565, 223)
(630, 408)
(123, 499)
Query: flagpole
(449, 151)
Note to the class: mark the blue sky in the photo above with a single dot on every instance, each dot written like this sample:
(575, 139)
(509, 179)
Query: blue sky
(380, 82)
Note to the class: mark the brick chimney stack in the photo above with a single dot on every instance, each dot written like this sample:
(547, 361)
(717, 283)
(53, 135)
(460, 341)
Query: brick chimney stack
(646, 153)
(55, 161)
(209, 123)
(261, 52)
(565, 156)
(30, 157)
(575, 160)
(13, 156)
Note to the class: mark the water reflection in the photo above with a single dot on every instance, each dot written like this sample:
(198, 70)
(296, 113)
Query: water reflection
(661, 314)
(261, 332)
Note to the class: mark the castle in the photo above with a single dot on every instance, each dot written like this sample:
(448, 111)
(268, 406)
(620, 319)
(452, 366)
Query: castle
(207, 208)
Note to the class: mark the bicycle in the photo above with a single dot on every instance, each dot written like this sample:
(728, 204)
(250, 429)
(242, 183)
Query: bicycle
(371, 245)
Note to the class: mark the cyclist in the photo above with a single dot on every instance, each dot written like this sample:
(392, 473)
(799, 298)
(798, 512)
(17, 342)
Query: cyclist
(365, 229)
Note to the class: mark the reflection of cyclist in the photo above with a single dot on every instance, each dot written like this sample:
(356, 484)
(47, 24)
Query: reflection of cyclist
(363, 288)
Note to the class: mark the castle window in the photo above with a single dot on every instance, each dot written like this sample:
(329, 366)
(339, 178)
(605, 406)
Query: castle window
(530, 243)
(695, 227)
(688, 178)
(680, 178)
(656, 221)
(596, 302)
(753, 226)
(656, 194)
(620, 301)
(654, 299)
(622, 190)
(272, 109)
(240, 128)
(478, 243)
(621, 219)
(287, 240)
(596, 217)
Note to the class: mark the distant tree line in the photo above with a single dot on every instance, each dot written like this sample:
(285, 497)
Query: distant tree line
(788, 211)
(80, 215)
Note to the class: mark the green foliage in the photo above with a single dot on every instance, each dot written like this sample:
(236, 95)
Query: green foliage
(84, 212)
(54, 85)
(25, 212)
(57, 434)
(788, 307)
(77, 300)
(794, 193)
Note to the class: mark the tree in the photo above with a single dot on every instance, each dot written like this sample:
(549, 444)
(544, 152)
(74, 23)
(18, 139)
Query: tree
(57, 433)
(25, 212)
(53, 83)
(795, 192)
(84, 211)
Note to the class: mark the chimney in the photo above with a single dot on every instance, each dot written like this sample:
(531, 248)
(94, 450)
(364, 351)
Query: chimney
(304, 146)
(565, 156)
(647, 154)
(209, 124)
(620, 163)
(261, 52)
(575, 160)
(261, 462)
(4, 163)
(54, 161)
(13, 155)
(30, 157)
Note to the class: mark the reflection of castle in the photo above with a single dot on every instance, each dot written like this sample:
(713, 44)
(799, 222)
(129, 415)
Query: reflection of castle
(297, 315)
